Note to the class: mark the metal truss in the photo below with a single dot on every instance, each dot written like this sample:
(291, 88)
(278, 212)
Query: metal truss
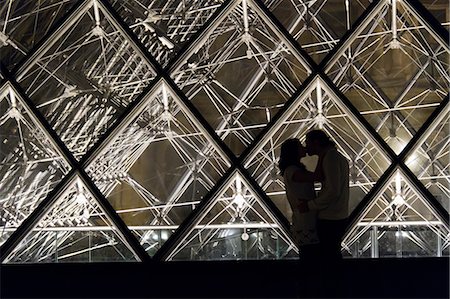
(141, 129)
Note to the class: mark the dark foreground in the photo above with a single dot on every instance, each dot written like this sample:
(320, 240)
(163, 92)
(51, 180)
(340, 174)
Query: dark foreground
(377, 278)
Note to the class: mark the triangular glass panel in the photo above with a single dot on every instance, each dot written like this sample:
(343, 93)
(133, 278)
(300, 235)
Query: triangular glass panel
(85, 76)
(318, 108)
(30, 163)
(241, 75)
(394, 71)
(157, 167)
(398, 222)
(165, 26)
(315, 24)
(75, 229)
(236, 225)
(430, 160)
(24, 24)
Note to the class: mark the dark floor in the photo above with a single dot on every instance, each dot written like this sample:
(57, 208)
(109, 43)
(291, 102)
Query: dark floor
(377, 278)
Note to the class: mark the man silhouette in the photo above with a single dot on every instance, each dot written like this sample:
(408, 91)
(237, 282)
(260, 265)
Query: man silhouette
(332, 201)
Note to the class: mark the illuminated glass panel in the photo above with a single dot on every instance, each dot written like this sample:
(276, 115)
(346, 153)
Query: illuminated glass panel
(75, 229)
(430, 161)
(265, 74)
(398, 223)
(237, 225)
(317, 25)
(158, 167)
(30, 163)
(164, 27)
(319, 108)
(25, 23)
(85, 76)
(394, 72)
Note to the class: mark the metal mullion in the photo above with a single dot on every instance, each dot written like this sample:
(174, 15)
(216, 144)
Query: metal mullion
(351, 35)
(201, 36)
(429, 126)
(191, 220)
(277, 121)
(308, 63)
(48, 41)
(281, 220)
(433, 26)
(130, 113)
(420, 188)
(112, 215)
(356, 117)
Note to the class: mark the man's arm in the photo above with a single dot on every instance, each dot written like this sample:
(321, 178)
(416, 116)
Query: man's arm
(331, 189)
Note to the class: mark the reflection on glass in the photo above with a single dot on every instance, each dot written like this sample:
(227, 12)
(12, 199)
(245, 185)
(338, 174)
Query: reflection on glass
(158, 166)
(30, 164)
(85, 77)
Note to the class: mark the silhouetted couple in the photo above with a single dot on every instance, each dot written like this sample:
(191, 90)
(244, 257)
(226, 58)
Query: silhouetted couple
(318, 222)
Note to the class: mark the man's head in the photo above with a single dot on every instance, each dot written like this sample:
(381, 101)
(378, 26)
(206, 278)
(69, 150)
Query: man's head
(317, 141)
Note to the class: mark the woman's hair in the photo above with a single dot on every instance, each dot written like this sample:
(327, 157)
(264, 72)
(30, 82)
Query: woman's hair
(289, 155)
(321, 137)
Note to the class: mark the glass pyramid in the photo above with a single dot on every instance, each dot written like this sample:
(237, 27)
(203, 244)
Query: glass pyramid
(169, 116)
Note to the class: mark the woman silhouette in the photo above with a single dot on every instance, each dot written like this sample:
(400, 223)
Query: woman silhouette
(299, 184)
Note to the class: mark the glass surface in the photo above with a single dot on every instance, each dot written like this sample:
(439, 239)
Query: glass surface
(401, 209)
(30, 164)
(317, 25)
(75, 229)
(240, 77)
(233, 76)
(164, 27)
(430, 162)
(159, 166)
(237, 225)
(395, 74)
(83, 80)
(25, 23)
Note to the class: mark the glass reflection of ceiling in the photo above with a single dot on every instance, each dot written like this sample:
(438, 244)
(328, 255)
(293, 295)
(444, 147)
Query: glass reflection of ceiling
(175, 112)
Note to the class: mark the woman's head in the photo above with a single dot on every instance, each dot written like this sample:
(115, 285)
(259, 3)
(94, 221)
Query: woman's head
(290, 154)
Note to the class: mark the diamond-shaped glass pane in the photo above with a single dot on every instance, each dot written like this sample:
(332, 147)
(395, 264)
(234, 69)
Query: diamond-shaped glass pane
(25, 23)
(317, 108)
(398, 222)
(394, 72)
(237, 225)
(241, 76)
(85, 78)
(317, 25)
(30, 164)
(430, 162)
(75, 229)
(164, 27)
(157, 168)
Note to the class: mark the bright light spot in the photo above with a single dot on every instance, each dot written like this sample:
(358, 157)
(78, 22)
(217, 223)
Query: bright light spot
(239, 200)
(81, 198)
(398, 200)
(245, 236)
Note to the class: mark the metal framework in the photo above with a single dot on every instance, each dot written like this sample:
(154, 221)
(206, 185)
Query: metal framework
(150, 130)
